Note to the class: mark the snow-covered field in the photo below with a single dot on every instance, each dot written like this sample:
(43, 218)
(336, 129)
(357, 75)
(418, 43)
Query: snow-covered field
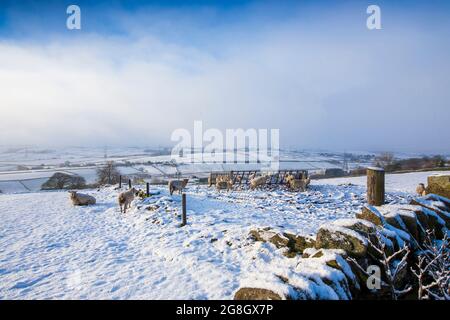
(50, 249)
(25, 169)
(406, 182)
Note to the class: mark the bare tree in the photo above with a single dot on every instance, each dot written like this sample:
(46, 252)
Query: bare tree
(384, 160)
(61, 180)
(433, 268)
(392, 266)
(439, 161)
(109, 174)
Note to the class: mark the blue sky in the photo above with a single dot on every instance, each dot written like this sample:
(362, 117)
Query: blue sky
(46, 18)
(137, 70)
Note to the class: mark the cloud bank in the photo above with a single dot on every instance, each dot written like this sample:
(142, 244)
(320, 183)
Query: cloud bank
(319, 75)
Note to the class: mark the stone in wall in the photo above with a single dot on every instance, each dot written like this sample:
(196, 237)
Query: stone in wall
(370, 213)
(336, 237)
(295, 244)
(439, 184)
(256, 294)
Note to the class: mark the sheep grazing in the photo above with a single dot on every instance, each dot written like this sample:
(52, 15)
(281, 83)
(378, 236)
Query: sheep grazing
(223, 177)
(214, 179)
(257, 182)
(210, 181)
(297, 184)
(177, 185)
(421, 191)
(224, 182)
(81, 199)
(125, 198)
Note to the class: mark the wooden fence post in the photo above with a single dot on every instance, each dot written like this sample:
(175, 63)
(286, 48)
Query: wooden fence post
(375, 186)
(120, 182)
(148, 190)
(129, 183)
(183, 204)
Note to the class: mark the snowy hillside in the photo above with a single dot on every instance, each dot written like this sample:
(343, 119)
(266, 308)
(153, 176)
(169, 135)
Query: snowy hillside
(50, 249)
(25, 169)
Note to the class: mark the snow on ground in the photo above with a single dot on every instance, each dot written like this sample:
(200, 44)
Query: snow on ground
(50, 249)
(405, 182)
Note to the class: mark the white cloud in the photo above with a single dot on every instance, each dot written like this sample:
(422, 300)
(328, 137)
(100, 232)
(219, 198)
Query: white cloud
(325, 84)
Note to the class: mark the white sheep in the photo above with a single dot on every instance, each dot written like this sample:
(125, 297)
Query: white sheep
(258, 181)
(213, 180)
(125, 198)
(81, 199)
(224, 182)
(177, 185)
(297, 184)
(421, 191)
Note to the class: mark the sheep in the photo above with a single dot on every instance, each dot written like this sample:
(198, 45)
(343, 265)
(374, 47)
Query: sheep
(223, 185)
(177, 185)
(421, 191)
(307, 181)
(223, 177)
(258, 181)
(125, 198)
(297, 184)
(288, 178)
(224, 182)
(81, 199)
(210, 181)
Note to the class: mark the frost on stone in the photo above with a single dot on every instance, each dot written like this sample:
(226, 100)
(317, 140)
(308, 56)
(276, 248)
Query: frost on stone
(358, 225)
(337, 237)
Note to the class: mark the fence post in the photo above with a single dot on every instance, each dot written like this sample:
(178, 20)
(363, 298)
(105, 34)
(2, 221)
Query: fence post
(148, 190)
(375, 186)
(183, 204)
(120, 182)
(129, 183)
